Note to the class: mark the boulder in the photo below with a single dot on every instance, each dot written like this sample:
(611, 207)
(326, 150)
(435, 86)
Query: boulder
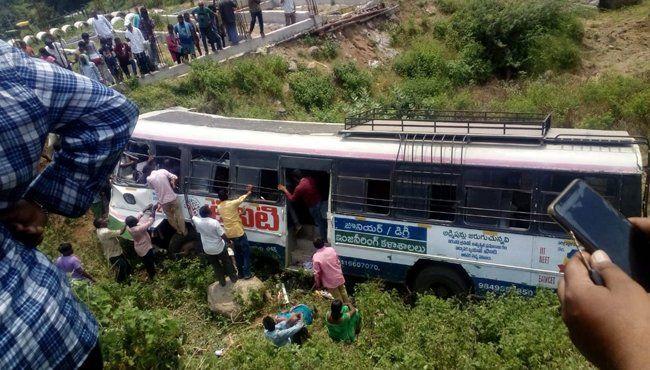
(222, 300)
(292, 66)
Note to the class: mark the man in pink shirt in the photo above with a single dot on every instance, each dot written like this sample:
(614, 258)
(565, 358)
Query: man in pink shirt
(163, 183)
(138, 228)
(327, 271)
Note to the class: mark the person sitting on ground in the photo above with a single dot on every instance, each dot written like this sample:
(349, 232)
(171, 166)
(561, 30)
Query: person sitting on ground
(609, 324)
(343, 322)
(281, 331)
(138, 227)
(163, 183)
(328, 272)
(214, 242)
(71, 264)
(112, 249)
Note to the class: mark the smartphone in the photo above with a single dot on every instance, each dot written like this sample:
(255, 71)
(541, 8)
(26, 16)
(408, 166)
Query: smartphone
(596, 224)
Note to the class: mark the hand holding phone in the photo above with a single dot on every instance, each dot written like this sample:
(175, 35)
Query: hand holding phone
(596, 224)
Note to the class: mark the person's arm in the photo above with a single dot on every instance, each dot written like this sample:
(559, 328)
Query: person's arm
(222, 233)
(77, 267)
(94, 121)
(172, 178)
(83, 273)
(317, 274)
(240, 200)
(351, 309)
(609, 324)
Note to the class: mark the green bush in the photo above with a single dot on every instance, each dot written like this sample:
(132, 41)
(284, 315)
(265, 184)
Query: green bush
(603, 121)
(328, 50)
(425, 59)
(514, 34)
(353, 81)
(132, 337)
(311, 89)
(252, 76)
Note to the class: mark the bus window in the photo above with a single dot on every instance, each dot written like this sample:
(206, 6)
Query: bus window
(499, 198)
(169, 158)
(378, 196)
(480, 206)
(209, 170)
(350, 194)
(408, 200)
(133, 161)
(269, 185)
(442, 202)
(264, 181)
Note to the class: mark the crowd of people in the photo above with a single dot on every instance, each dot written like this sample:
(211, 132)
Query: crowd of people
(137, 52)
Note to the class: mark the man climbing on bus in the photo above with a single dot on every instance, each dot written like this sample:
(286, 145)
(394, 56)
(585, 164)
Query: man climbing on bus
(307, 192)
(229, 212)
(163, 183)
(214, 241)
(138, 227)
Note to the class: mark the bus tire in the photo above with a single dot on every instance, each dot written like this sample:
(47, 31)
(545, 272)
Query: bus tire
(441, 281)
(184, 245)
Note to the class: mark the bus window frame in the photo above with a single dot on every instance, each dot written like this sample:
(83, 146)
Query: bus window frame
(213, 185)
(118, 180)
(237, 188)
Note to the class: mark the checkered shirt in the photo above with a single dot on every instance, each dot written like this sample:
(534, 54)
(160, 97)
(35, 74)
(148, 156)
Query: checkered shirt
(42, 325)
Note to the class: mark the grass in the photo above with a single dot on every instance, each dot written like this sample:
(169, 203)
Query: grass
(167, 323)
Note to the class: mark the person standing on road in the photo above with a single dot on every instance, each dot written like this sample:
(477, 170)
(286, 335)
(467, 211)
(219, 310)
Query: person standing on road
(173, 45)
(227, 9)
(184, 32)
(137, 48)
(112, 249)
(42, 324)
(204, 17)
(56, 50)
(138, 227)
(215, 243)
(163, 183)
(229, 212)
(289, 7)
(124, 57)
(327, 271)
(148, 29)
(256, 13)
(193, 30)
(103, 28)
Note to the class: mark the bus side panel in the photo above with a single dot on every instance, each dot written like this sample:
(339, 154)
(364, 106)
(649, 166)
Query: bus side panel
(550, 254)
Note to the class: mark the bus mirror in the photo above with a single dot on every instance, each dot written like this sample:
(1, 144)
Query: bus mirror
(129, 198)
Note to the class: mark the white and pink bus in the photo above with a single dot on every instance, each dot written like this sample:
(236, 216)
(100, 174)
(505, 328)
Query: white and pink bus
(444, 201)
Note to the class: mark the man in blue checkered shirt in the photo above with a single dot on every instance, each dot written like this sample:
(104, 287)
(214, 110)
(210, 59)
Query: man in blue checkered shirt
(42, 325)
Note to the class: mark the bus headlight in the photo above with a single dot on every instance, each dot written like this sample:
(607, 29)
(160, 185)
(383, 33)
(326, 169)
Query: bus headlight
(129, 198)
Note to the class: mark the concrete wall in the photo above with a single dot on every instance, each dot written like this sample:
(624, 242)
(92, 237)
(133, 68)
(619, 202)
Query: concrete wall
(244, 47)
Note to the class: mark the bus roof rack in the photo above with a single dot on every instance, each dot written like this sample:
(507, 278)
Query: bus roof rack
(499, 126)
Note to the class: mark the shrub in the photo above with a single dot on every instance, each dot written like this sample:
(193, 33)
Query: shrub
(353, 81)
(254, 75)
(513, 33)
(132, 337)
(328, 50)
(425, 59)
(603, 121)
(311, 89)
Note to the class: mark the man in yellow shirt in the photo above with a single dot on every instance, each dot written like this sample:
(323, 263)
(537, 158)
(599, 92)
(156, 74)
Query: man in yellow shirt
(229, 212)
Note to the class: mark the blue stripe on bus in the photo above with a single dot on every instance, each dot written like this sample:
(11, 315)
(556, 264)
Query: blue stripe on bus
(380, 228)
(373, 269)
(482, 286)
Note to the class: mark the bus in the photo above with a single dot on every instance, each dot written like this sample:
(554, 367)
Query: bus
(447, 202)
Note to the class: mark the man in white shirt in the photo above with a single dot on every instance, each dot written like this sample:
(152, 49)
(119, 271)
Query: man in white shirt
(103, 28)
(136, 41)
(112, 249)
(214, 242)
(56, 50)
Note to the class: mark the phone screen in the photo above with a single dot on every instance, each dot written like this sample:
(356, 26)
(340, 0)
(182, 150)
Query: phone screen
(595, 222)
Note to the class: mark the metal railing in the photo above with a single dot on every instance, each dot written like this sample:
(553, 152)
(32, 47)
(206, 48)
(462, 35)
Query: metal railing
(437, 121)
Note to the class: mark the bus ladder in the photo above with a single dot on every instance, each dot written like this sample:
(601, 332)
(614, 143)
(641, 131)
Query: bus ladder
(423, 160)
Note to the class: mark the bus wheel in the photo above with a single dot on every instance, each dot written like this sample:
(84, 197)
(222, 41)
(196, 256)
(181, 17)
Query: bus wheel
(441, 281)
(184, 245)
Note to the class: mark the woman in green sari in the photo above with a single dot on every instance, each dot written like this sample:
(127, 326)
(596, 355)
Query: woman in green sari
(343, 322)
